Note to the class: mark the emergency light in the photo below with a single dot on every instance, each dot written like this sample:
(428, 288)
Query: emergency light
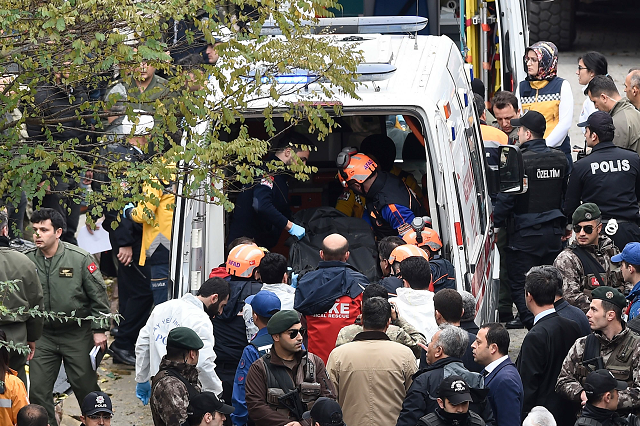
(356, 25)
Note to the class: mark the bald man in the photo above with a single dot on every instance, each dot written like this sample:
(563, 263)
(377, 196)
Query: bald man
(330, 297)
(632, 87)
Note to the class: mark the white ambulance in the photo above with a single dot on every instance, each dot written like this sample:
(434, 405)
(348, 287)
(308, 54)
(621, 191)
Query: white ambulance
(424, 80)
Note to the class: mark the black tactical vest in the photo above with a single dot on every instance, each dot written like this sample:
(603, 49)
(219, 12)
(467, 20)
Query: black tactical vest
(546, 172)
(432, 419)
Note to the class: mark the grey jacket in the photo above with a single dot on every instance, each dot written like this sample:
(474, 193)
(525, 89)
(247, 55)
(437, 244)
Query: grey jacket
(626, 119)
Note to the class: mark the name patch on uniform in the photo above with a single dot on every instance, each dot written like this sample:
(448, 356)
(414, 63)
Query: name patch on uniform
(267, 182)
(92, 268)
(65, 272)
(548, 173)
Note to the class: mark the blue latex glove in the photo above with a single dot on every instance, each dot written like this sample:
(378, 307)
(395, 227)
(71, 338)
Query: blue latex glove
(297, 231)
(126, 212)
(143, 392)
(294, 280)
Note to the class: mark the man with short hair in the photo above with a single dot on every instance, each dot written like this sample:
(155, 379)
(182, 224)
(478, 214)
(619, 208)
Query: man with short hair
(362, 380)
(415, 300)
(263, 306)
(630, 268)
(444, 358)
(96, 409)
(586, 262)
(194, 312)
(20, 328)
(467, 322)
(534, 220)
(608, 177)
(492, 137)
(448, 308)
(385, 248)
(205, 409)
(262, 209)
(289, 363)
(454, 397)
(177, 379)
(604, 94)
(398, 331)
(601, 389)
(611, 346)
(632, 87)
(505, 108)
(506, 395)
(545, 346)
(72, 282)
(325, 412)
(33, 415)
(539, 416)
(330, 297)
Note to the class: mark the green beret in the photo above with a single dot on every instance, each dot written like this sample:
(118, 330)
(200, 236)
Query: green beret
(586, 212)
(609, 294)
(185, 338)
(282, 321)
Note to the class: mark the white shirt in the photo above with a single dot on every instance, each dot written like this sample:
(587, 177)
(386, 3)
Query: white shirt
(285, 293)
(152, 340)
(416, 307)
(543, 314)
(493, 364)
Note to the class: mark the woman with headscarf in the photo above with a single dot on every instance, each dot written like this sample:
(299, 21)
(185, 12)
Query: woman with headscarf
(589, 65)
(550, 95)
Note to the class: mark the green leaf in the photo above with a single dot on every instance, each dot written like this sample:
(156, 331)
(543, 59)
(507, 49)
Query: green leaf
(60, 26)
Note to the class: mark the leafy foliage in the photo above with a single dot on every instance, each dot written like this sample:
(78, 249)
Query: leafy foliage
(66, 44)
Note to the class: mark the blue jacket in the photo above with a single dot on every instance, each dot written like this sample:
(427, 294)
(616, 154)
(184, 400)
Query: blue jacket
(251, 354)
(634, 297)
(505, 393)
(318, 289)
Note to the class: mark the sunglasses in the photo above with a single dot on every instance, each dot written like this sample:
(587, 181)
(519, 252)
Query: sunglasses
(106, 416)
(293, 333)
(588, 229)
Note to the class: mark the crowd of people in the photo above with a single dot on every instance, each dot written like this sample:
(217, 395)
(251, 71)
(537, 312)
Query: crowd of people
(259, 345)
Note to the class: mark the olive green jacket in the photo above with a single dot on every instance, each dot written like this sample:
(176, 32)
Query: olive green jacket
(16, 266)
(71, 282)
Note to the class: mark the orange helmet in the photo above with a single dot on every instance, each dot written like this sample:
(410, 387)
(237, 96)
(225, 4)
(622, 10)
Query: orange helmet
(243, 259)
(400, 253)
(353, 165)
(427, 238)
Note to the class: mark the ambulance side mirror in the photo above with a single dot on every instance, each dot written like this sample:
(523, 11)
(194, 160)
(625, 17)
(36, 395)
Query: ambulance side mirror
(511, 170)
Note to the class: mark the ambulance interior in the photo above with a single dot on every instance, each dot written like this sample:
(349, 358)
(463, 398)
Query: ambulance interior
(323, 187)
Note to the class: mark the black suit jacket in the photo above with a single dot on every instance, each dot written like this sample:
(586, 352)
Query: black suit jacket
(543, 351)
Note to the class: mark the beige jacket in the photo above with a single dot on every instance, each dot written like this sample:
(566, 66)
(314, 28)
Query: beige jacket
(372, 375)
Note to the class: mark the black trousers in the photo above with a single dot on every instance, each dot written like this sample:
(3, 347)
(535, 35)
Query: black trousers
(520, 262)
(134, 285)
(16, 211)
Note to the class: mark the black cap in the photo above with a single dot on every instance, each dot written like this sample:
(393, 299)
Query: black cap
(206, 402)
(533, 121)
(96, 402)
(601, 381)
(325, 411)
(599, 120)
(455, 390)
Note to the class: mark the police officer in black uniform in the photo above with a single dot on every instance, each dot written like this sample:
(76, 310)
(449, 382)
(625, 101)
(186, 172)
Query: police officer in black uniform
(608, 177)
(534, 220)
(262, 209)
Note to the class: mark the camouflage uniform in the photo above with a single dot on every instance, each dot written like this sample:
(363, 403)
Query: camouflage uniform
(577, 286)
(572, 374)
(169, 396)
(400, 331)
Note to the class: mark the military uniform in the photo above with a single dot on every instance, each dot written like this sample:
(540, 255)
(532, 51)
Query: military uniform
(577, 285)
(71, 282)
(620, 355)
(23, 327)
(170, 394)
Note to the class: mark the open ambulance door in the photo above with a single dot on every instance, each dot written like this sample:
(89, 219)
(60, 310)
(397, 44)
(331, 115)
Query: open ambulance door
(514, 38)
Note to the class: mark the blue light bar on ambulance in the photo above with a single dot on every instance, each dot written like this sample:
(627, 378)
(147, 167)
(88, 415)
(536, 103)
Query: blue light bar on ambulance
(366, 72)
(356, 25)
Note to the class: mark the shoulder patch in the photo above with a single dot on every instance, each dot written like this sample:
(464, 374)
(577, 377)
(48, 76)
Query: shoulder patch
(268, 181)
(92, 267)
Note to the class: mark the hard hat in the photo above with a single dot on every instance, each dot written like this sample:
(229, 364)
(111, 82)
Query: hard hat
(400, 253)
(353, 165)
(243, 259)
(427, 238)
